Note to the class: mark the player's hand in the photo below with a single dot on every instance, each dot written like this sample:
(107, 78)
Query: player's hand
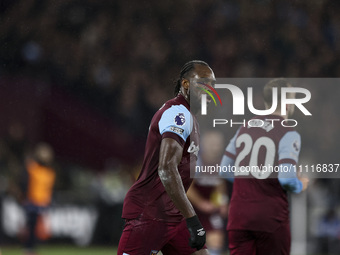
(197, 233)
(304, 181)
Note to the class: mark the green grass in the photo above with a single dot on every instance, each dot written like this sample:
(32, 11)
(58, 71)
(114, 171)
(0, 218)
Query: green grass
(63, 250)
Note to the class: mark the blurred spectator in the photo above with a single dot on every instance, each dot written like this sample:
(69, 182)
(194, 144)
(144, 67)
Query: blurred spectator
(99, 48)
(16, 141)
(329, 233)
(15, 146)
(38, 191)
(110, 186)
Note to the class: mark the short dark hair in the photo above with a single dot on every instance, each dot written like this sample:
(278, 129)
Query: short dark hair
(268, 89)
(186, 69)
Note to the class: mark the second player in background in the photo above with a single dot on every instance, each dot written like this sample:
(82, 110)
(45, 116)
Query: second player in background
(208, 192)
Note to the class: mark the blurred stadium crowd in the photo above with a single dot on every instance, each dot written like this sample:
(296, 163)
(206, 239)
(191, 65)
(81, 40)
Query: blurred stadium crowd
(124, 54)
(121, 57)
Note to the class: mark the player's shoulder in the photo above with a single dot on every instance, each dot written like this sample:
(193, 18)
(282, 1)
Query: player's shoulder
(174, 117)
(173, 107)
(285, 132)
(272, 124)
(179, 115)
(274, 127)
(290, 146)
(173, 112)
(291, 137)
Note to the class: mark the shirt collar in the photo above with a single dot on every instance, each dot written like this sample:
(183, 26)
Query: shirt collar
(180, 98)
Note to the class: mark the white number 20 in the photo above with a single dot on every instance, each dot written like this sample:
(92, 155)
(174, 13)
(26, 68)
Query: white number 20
(254, 148)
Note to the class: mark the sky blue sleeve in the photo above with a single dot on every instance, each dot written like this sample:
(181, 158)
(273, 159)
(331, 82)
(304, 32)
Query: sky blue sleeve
(288, 179)
(228, 160)
(289, 150)
(176, 119)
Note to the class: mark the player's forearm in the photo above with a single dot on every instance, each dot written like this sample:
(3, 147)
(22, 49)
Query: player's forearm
(174, 187)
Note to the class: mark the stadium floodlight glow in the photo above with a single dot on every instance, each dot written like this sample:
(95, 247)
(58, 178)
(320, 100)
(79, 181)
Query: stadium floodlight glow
(238, 100)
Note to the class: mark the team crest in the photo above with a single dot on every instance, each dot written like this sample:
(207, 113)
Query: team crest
(180, 119)
(154, 252)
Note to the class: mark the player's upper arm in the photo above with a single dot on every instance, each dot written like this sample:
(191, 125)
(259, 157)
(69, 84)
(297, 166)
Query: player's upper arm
(170, 155)
(228, 159)
(288, 152)
(176, 123)
(289, 148)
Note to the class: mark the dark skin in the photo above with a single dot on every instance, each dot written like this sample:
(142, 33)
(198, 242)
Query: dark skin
(171, 154)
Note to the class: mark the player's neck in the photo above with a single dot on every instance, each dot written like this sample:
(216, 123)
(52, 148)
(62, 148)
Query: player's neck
(278, 113)
(185, 95)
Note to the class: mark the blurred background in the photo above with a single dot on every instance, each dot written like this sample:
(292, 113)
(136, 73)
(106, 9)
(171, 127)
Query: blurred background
(86, 76)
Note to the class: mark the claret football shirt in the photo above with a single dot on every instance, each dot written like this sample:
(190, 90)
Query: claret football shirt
(259, 202)
(147, 198)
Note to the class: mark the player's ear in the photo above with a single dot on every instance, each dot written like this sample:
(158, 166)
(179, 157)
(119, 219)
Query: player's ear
(185, 84)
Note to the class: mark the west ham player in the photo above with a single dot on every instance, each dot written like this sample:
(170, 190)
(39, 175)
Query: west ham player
(207, 193)
(259, 215)
(158, 214)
